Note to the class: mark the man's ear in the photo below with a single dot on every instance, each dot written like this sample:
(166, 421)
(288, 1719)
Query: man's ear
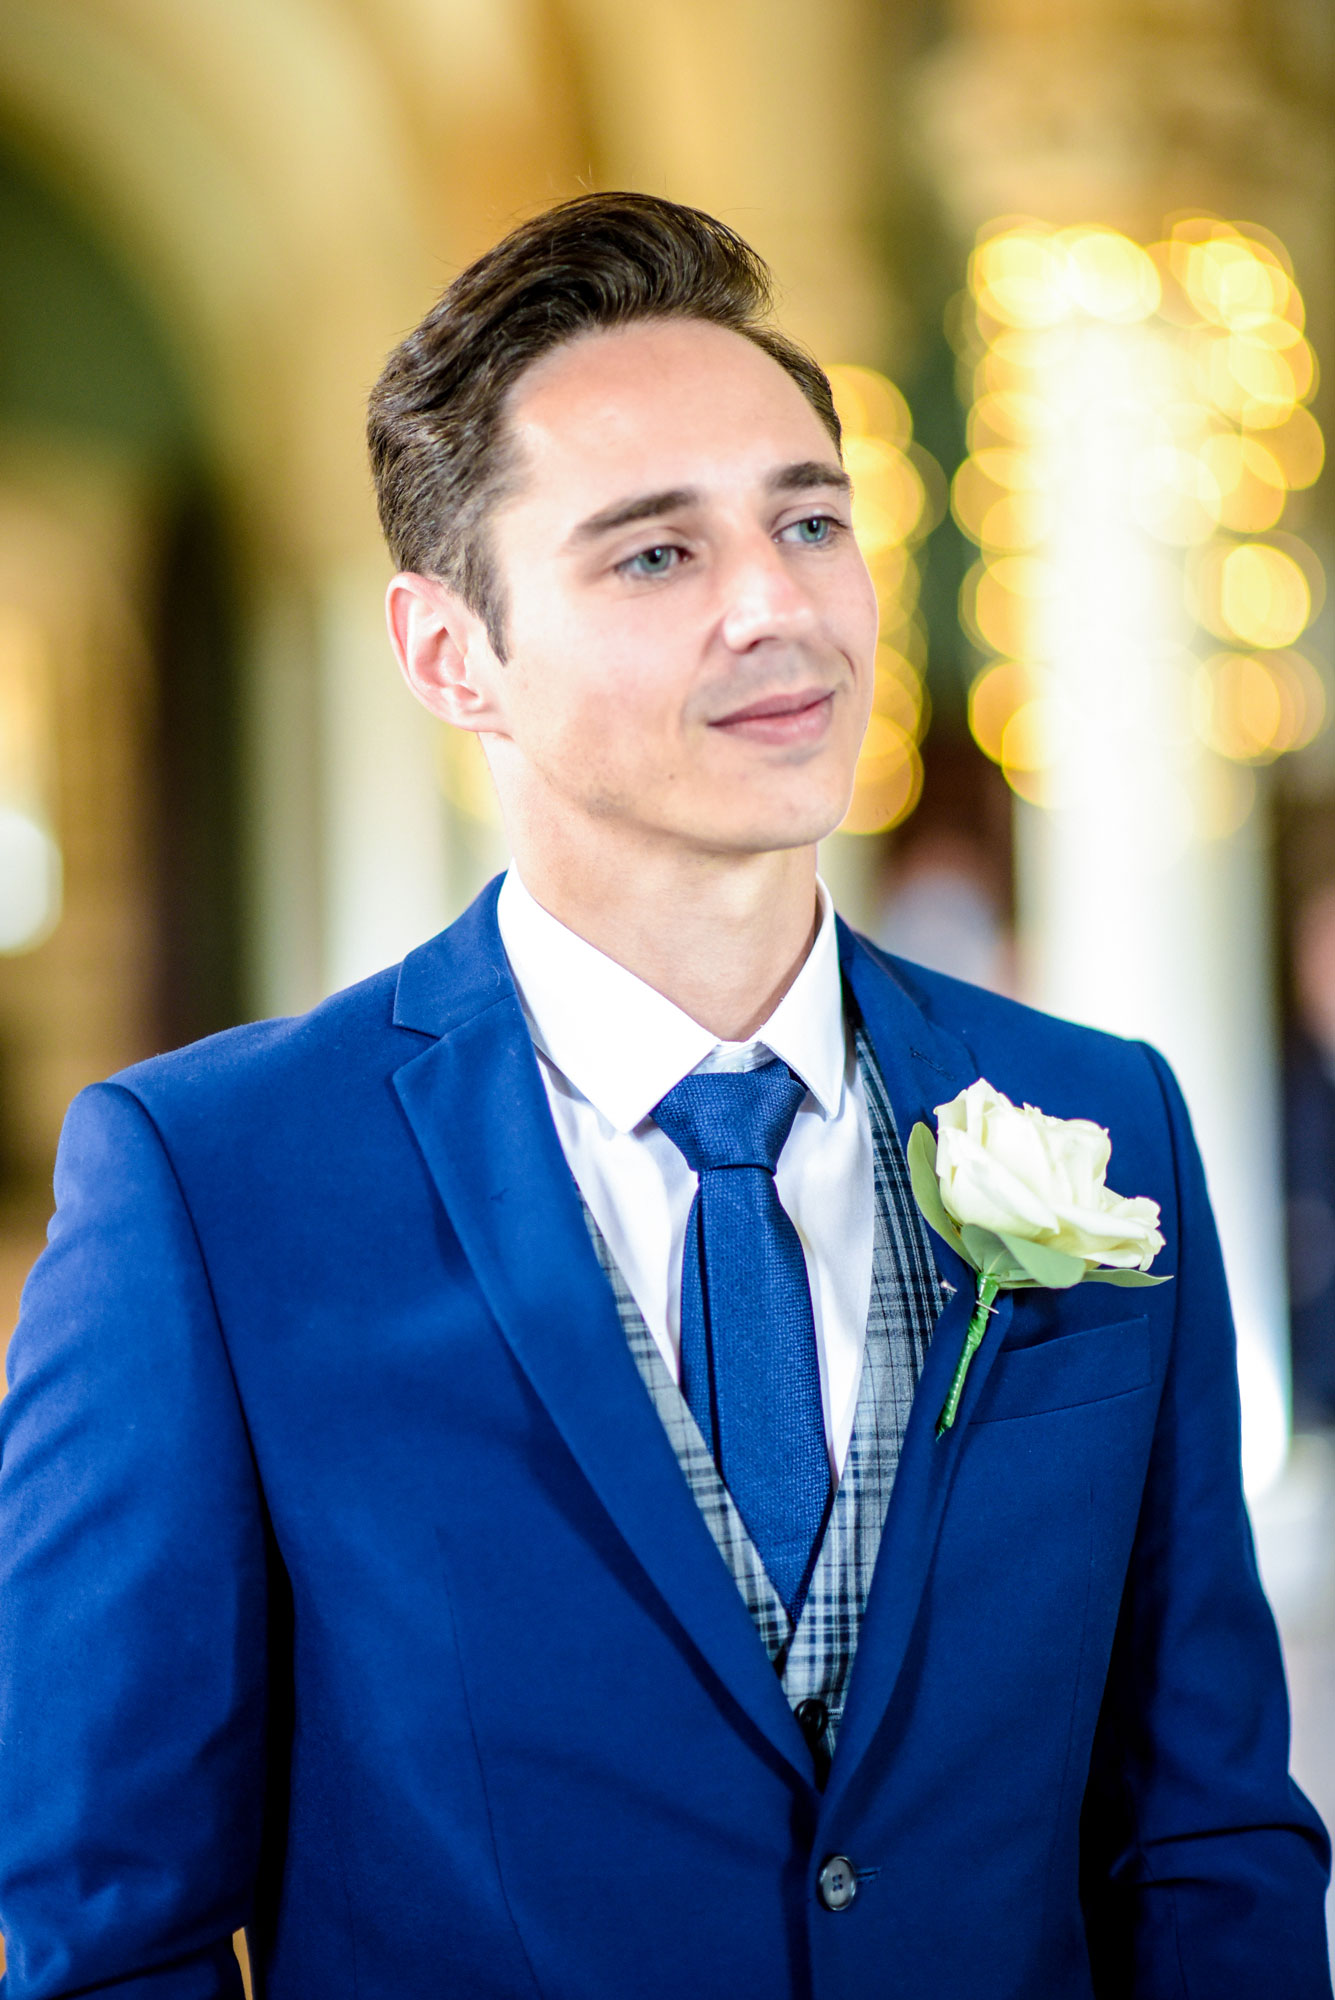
(443, 651)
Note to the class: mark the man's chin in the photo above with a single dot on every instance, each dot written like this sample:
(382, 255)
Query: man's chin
(764, 812)
(773, 833)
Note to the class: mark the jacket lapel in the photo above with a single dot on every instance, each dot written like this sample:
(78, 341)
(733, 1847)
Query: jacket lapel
(923, 1066)
(477, 1106)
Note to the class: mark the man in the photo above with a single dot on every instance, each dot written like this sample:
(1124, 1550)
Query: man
(472, 1505)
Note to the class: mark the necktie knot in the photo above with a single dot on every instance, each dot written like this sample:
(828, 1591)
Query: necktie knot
(732, 1118)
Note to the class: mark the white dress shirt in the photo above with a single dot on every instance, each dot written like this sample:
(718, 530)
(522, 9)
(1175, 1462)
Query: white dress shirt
(609, 1047)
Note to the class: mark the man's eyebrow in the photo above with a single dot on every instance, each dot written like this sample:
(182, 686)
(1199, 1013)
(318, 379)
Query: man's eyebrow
(795, 478)
(643, 507)
(808, 472)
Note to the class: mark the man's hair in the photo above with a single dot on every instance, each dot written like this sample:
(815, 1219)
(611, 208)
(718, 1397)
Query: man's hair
(439, 450)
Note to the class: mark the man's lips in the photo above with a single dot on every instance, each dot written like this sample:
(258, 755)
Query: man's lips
(801, 717)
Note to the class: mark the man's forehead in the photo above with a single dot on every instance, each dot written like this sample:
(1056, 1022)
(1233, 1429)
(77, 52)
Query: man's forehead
(661, 405)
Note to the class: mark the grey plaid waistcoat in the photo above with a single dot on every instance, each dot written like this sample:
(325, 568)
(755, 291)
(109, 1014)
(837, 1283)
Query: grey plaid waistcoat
(814, 1660)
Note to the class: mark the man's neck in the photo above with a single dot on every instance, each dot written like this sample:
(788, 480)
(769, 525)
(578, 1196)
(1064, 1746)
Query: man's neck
(722, 937)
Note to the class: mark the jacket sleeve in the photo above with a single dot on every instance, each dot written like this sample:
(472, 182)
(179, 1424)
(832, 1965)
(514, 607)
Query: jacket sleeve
(1205, 1867)
(132, 1595)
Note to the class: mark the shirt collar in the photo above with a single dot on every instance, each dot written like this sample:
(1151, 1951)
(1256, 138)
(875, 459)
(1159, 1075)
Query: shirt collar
(623, 1046)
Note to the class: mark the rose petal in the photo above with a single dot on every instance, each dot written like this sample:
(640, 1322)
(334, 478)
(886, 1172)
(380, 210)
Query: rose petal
(977, 1187)
(1018, 1171)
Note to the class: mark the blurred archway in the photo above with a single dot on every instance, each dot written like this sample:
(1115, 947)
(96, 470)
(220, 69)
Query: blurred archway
(117, 745)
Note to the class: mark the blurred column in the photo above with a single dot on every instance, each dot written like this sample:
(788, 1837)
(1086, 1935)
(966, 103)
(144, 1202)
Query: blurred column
(1141, 849)
(386, 884)
(285, 973)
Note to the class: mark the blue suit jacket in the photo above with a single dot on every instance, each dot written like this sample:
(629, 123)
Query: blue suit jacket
(351, 1589)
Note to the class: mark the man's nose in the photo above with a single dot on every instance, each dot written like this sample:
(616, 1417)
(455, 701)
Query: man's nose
(762, 599)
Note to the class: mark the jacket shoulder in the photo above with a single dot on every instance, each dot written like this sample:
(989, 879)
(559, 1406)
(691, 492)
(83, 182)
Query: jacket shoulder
(1065, 1067)
(348, 1036)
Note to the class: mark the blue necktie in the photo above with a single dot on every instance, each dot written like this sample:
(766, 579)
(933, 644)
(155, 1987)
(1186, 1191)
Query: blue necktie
(749, 1371)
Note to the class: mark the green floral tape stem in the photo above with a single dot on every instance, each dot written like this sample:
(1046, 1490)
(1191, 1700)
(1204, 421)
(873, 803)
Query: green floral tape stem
(982, 1312)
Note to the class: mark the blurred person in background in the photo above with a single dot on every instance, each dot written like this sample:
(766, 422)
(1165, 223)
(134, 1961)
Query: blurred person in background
(940, 908)
(476, 1504)
(1309, 1145)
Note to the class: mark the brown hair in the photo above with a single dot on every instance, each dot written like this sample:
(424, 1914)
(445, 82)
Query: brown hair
(435, 429)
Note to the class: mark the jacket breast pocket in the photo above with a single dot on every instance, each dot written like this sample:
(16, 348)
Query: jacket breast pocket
(1062, 1373)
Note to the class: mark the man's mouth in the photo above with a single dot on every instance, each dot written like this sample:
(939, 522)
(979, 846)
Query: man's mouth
(799, 717)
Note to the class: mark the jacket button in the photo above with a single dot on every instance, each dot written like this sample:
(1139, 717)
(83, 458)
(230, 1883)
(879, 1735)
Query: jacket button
(813, 1719)
(837, 1883)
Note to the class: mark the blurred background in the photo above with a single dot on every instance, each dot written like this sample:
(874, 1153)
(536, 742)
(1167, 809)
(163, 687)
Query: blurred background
(1071, 268)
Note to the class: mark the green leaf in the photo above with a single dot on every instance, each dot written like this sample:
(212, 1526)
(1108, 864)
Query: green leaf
(987, 1252)
(1055, 1270)
(927, 1189)
(1126, 1278)
(980, 1246)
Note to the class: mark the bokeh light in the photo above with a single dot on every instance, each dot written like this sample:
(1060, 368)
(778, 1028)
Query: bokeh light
(1032, 276)
(1175, 376)
(1253, 707)
(899, 493)
(1253, 592)
(30, 881)
(888, 493)
(31, 869)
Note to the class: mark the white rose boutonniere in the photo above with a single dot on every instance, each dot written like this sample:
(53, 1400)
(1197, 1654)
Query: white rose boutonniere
(1021, 1198)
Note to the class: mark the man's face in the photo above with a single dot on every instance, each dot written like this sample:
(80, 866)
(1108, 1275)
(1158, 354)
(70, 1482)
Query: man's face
(690, 625)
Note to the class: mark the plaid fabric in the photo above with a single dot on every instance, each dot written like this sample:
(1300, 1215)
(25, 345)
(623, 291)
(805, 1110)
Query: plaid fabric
(815, 1659)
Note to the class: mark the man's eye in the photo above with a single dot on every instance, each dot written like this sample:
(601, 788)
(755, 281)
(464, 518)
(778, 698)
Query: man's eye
(656, 561)
(812, 531)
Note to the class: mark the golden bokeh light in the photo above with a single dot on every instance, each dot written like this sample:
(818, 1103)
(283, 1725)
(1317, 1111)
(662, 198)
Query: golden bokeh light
(1005, 418)
(1018, 522)
(1028, 742)
(899, 694)
(1108, 276)
(898, 494)
(1030, 276)
(869, 405)
(1002, 608)
(31, 866)
(1252, 381)
(994, 499)
(996, 696)
(1250, 480)
(25, 723)
(889, 780)
(1182, 373)
(1015, 276)
(1254, 592)
(1298, 448)
(894, 574)
(1253, 707)
(888, 494)
(1233, 282)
